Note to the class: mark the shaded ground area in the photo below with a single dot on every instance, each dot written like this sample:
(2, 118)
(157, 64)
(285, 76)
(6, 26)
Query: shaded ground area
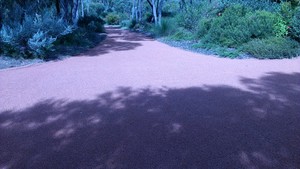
(119, 40)
(209, 127)
(140, 104)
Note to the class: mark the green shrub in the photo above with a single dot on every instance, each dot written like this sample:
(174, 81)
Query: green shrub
(182, 34)
(203, 27)
(125, 23)
(96, 9)
(286, 11)
(166, 28)
(188, 19)
(92, 23)
(227, 52)
(272, 48)
(132, 24)
(254, 4)
(39, 43)
(295, 25)
(280, 27)
(34, 36)
(148, 17)
(190, 16)
(295, 3)
(218, 50)
(231, 29)
(264, 24)
(113, 19)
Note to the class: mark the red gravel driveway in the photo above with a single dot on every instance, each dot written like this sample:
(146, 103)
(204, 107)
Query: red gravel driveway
(135, 103)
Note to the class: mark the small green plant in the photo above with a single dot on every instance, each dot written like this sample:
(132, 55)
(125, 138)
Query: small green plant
(280, 28)
(227, 52)
(218, 50)
(113, 19)
(40, 43)
(182, 34)
(166, 28)
(125, 23)
(272, 48)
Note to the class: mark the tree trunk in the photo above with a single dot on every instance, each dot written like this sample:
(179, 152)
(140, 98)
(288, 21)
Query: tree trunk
(136, 11)
(161, 3)
(154, 12)
(88, 7)
(133, 10)
(75, 14)
(82, 8)
(140, 10)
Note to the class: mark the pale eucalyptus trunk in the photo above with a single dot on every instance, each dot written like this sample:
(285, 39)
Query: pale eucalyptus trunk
(160, 11)
(154, 12)
(133, 10)
(75, 12)
(140, 10)
(82, 8)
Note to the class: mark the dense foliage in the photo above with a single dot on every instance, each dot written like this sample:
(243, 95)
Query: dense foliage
(272, 48)
(37, 29)
(259, 28)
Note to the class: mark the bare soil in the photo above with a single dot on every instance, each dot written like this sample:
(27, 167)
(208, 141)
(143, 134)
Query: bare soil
(133, 102)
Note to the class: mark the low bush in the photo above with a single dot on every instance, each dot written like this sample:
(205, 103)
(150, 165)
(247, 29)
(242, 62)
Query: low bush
(96, 9)
(263, 24)
(132, 24)
(219, 50)
(272, 48)
(254, 4)
(187, 19)
(113, 19)
(125, 23)
(204, 26)
(167, 27)
(38, 36)
(33, 37)
(230, 29)
(92, 23)
(182, 34)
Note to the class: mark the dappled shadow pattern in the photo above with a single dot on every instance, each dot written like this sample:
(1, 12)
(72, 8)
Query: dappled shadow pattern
(209, 127)
(118, 40)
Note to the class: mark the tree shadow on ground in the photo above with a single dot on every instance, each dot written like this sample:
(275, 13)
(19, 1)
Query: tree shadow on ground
(117, 40)
(203, 127)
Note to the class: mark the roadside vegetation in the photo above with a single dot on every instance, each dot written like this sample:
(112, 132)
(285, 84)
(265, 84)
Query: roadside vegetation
(264, 29)
(47, 29)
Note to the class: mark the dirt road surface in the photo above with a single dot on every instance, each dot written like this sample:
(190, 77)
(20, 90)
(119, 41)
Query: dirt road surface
(135, 103)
